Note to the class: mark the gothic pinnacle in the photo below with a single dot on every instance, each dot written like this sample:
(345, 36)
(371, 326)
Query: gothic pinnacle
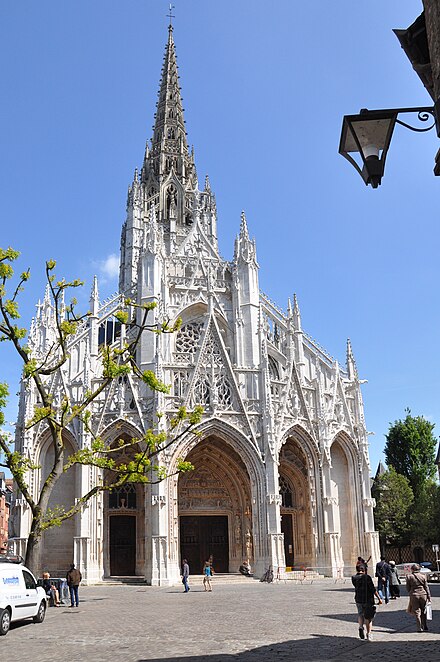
(62, 306)
(95, 293)
(351, 363)
(169, 122)
(94, 297)
(46, 300)
(243, 226)
(296, 313)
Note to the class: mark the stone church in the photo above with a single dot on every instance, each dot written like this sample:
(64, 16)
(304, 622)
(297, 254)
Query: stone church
(282, 473)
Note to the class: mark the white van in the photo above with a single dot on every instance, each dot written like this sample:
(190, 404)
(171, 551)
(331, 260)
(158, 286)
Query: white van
(20, 597)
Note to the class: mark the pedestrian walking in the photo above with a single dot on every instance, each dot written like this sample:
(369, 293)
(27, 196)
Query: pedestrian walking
(73, 578)
(394, 581)
(364, 594)
(185, 575)
(207, 574)
(383, 574)
(419, 596)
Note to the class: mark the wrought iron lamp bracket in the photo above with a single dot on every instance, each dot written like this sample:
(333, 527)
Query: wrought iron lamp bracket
(423, 115)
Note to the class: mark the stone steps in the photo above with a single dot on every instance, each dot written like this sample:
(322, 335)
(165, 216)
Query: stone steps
(223, 578)
(218, 578)
(118, 581)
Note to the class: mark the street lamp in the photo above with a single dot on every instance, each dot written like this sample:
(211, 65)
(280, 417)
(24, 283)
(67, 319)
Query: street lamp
(365, 138)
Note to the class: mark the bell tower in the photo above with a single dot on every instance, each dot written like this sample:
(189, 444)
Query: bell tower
(166, 182)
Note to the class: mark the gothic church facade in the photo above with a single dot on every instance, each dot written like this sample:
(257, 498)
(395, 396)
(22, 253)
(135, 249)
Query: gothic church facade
(282, 472)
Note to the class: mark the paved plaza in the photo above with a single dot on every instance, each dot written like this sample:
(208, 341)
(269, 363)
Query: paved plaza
(244, 621)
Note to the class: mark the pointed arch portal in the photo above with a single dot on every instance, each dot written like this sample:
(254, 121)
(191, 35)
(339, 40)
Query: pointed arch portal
(214, 508)
(296, 521)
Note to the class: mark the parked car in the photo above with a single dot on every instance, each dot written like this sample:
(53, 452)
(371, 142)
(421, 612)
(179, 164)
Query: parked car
(434, 572)
(20, 597)
(404, 569)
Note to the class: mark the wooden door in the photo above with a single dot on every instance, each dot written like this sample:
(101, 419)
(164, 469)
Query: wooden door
(202, 536)
(287, 529)
(122, 545)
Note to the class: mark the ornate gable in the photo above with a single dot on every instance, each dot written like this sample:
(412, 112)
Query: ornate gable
(197, 244)
(294, 405)
(207, 377)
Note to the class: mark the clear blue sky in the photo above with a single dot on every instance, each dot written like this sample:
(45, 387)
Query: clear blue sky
(265, 86)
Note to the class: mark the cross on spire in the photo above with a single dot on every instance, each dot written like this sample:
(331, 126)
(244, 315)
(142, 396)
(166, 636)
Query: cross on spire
(171, 15)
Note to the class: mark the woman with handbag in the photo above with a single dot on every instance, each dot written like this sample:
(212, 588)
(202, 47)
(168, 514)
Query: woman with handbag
(419, 596)
(394, 582)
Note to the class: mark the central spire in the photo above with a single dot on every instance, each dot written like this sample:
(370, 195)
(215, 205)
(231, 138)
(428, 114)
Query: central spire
(167, 186)
(169, 144)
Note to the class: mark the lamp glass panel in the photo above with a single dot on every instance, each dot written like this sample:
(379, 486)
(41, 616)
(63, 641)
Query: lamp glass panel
(369, 132)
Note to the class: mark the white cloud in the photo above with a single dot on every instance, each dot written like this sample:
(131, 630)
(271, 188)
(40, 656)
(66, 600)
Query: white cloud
(109, 267)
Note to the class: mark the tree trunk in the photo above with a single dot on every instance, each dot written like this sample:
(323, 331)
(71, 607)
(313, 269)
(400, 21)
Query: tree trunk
(432, 20)
(32, 560)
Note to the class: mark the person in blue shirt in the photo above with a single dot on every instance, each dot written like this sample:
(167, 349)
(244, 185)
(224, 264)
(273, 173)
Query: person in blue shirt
(207, 574)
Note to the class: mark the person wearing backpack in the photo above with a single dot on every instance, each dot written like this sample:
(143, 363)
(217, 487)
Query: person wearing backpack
(364, 594)
(383, 574)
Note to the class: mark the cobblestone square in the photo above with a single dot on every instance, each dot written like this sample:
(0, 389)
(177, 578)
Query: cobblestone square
(245, 621)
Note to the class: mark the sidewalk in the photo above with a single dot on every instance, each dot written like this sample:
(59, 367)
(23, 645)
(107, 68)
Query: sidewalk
(244, 622)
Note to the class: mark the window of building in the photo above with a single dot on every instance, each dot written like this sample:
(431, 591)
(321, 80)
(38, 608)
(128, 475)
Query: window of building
(287, 493)
(122, 498)
(273, 369)
(108, 332)
(187, 341)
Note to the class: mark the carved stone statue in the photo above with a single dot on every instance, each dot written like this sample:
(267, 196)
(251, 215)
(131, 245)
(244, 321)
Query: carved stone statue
(248, 537)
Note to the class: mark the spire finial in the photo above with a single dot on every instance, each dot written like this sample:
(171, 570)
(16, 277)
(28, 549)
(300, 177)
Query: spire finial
(171, 16)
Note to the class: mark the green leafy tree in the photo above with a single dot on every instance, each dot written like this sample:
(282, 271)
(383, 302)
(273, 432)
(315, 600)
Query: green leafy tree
(426, 514)
(434, 528)
(394, 498)
(410, 449)
(144, 453)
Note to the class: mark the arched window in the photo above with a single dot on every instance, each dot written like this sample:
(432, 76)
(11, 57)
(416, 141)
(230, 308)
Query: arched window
(187, 341)
(287, 493)
(224, 395)
(180, 383)
(122, 498)
(273, 369)
(202, 395)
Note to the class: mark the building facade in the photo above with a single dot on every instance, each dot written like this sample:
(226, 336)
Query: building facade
(5, 503)
(281, 457)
